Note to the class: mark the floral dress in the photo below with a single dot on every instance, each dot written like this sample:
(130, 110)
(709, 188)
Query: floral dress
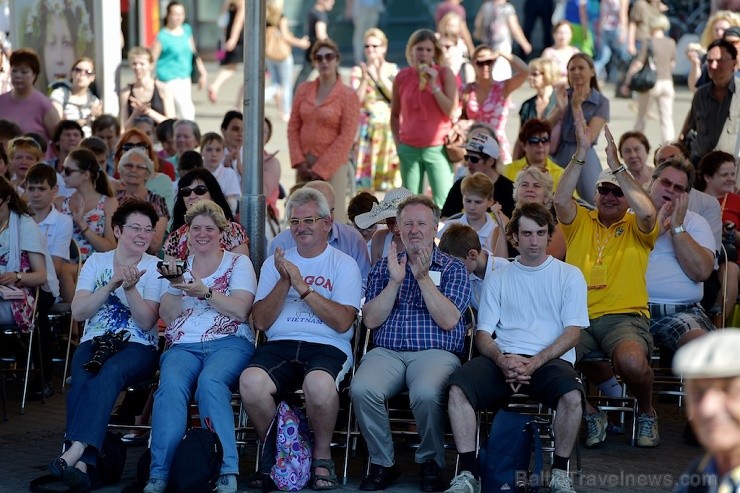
(375, 152)
(22, 309)
(176, 244)
(494, 111)
(95, 219)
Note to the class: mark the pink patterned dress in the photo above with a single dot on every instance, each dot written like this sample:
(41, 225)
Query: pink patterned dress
(95, 219)
(494, 111)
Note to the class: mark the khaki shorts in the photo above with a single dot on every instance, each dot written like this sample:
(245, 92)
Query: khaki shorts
(607, 331)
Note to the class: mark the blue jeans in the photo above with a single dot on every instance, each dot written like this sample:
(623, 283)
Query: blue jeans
(608, 48)
(212, 370)
(92, 396)
(281, 74)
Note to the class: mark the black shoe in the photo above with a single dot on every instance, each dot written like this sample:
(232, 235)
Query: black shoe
(48, 391)
(380, 477)
(431, 477)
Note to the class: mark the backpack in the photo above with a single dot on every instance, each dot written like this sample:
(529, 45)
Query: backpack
(196, 465)
(294, 447)
(505, 459)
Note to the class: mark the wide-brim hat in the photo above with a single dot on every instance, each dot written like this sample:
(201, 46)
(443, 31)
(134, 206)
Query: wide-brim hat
(384, 209)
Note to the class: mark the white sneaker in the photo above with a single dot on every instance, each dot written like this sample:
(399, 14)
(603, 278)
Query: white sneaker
(155, 486)
(226, 484)
(647, 430)
(464, 483)
(596, 425)
(560, 482)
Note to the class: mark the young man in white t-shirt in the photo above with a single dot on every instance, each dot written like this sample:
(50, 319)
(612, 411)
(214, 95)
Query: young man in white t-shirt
(536, 306)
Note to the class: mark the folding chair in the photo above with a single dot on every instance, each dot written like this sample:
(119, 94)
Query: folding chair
(60, 311)
(14, 343)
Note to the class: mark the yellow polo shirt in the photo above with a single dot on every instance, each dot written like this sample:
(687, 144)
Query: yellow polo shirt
(513, 168)
(625, 258)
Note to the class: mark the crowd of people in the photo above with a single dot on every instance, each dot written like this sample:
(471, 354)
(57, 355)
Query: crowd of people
(620, 256)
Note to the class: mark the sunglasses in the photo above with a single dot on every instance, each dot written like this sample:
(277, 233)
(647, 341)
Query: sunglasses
(308, 221)
(484, 63)
(329, 57)
(200, 190)
(670, 185)
(129, 145)
(473, 158)
(617, 192)
(69, 171)
(78, 70)
(538, 140)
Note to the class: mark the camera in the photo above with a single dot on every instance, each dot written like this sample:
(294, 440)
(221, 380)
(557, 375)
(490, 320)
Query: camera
(106, 345)
(179, 264)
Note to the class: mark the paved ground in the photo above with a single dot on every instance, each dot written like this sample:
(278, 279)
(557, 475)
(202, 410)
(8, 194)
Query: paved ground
(28, 442)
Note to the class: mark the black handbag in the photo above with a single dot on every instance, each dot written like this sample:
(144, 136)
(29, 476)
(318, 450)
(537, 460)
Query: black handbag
(195, 74)
(645, 78)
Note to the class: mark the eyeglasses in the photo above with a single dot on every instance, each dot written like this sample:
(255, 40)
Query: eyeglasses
(308, 221)
(617, 192)
(85, 71)
(473, 158)
(69, 171)
(538, 140)
(138, 229)
(372, 46)
(200, 190)
(670, 185)
(329, 57)
(132, 166)
(484, 63)
(130, 145)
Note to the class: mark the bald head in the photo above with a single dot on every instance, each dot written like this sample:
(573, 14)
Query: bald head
(325, 189)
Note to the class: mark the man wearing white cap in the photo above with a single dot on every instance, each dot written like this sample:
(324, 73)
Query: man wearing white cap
(611, 246)
(482, 155)
(711, 367)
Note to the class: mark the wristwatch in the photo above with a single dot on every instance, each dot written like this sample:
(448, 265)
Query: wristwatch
(678, 230)
(208, 295)
(18, 277)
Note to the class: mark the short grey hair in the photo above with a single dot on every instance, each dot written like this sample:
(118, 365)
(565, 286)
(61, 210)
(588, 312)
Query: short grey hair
(420, 200)
(193, 126)
(136, 151)
(304, 196)
(543, 177)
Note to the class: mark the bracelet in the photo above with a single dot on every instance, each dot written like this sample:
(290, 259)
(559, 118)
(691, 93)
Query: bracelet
(85, 230)
(619, 170)
(577, 161)
(436, 90)
(308, 291)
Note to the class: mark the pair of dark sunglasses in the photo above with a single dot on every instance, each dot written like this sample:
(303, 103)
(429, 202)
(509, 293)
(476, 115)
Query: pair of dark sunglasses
(617, 192)
(130, 145)
(538, 140)
(484, 63)
(329, 57)
(200, 190)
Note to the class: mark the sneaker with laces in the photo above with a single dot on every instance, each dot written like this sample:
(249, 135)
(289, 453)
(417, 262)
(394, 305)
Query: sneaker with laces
(155, 485)
(464, 483)
(596, 425)
(647, 430)
(560, 482)
(226, 483)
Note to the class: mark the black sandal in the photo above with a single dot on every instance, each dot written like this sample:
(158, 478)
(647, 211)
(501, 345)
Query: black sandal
(57, 467)
(330, 478)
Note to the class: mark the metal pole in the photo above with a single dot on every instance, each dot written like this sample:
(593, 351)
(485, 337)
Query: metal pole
(252, 206)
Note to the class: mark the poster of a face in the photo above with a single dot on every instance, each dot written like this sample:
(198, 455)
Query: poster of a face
(61, 31)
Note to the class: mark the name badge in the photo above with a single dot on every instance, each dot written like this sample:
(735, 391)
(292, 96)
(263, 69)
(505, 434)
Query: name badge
(435, 276)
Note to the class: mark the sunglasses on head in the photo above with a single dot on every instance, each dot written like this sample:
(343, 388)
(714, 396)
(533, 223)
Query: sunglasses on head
(484, 63)
(617, 192)
(199, 191)
(130, 145)
(329, 57)
(538, 140)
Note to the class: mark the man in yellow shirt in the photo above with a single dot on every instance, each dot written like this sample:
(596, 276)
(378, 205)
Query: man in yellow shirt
(611, 246)
(534, 138)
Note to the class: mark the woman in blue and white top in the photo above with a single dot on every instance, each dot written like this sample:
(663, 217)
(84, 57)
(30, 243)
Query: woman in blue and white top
(117, 291)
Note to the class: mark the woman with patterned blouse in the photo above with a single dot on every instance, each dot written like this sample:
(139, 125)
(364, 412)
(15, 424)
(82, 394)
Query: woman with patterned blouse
(118, 292)
(196, 186)
(206, 308)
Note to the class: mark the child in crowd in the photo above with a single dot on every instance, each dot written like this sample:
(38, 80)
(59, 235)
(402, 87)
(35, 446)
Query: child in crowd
(165, 133)
(212, 150)
(359, 204)
(462, 241)
(561, 51)
(477, 192)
